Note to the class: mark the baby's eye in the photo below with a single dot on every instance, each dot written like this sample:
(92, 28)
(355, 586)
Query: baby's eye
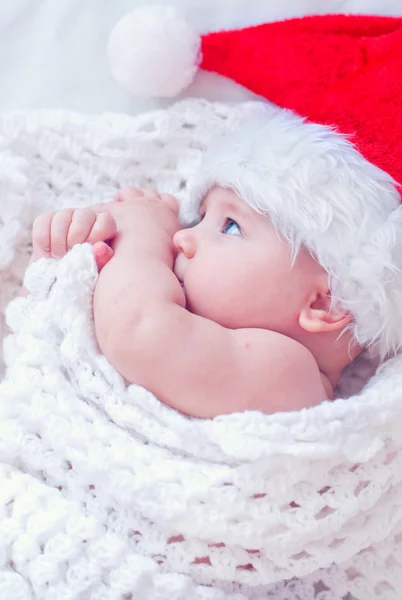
(231, 227)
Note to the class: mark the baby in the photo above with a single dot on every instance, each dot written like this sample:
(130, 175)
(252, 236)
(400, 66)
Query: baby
(227, 315)
(212, 319)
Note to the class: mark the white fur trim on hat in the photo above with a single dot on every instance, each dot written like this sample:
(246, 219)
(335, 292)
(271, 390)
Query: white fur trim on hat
(319, 192)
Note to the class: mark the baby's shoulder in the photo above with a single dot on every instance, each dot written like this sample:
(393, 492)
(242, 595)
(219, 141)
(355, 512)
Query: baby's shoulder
(276, 345)
(283, 366)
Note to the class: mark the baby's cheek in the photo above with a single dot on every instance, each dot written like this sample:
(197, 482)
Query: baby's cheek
(203, 292)
(198, 294)
(216, 304)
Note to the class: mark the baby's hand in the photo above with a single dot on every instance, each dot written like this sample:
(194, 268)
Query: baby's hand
(138, 209)
(146, 221)
(54, 234)
(138, 194)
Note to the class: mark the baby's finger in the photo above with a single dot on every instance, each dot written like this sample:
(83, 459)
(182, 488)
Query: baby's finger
(82, 222)
(150, 193)
(170, 201)
(102, 254)
(59, 232)
(103, 229)
(128, 194)
(41, 234)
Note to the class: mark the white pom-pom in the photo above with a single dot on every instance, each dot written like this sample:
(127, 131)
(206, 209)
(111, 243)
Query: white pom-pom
(154, 52)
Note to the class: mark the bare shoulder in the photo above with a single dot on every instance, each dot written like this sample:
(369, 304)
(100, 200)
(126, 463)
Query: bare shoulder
(285, 373)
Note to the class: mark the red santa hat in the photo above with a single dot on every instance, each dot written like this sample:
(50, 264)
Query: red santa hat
(333, 69)
(336, 194)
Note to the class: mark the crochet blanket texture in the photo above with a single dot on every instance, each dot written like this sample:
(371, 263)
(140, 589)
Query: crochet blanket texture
(107, 494)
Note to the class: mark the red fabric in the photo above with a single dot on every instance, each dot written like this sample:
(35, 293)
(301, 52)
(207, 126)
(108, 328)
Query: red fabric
(334, 69)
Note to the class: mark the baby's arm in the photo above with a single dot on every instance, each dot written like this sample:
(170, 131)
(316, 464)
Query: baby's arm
(188, 362)
(204, 370)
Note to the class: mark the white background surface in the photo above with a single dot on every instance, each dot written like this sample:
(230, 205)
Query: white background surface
(53, 52)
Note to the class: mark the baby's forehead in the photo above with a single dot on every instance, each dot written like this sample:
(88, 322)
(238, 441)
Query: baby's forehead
(221, 197)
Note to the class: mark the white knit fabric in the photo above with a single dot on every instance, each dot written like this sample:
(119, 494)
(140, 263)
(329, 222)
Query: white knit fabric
(105, 493)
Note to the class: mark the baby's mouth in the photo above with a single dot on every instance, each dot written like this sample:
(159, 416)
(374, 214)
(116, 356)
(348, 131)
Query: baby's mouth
(181, 283)
(184, 292)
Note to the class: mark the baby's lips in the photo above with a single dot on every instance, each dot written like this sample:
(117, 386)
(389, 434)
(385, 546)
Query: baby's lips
(178, 267)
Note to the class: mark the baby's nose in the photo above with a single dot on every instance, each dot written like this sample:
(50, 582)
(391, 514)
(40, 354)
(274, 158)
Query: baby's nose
(184, 241)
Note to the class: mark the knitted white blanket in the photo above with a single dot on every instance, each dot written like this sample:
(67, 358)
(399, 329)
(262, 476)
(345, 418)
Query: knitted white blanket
(107, 494)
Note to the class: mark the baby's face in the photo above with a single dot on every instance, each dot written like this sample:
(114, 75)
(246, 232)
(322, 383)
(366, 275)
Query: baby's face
(237, 271)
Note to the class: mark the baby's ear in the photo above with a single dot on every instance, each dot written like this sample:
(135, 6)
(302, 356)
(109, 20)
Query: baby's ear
(319, 316)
